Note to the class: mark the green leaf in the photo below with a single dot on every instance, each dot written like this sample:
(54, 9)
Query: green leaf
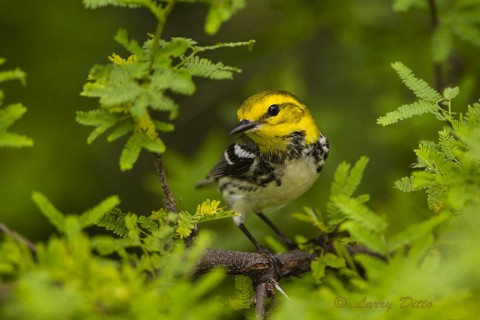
(448, 144)
(114, 220)
(345, 182)
(102, 119)
(159, 101)
(134, 145)
(13, 140)
(405, 184)
(112, 84)
(249, 44)
(340, 178)
(373, 240)
(175, 47)
(407, 111)
(123, 128)
(421, 88)
(176, 81)
(430, 158)
(131, 45)
(415, 231)
(132, 227)
(221, 11)
(93, 4)
(210, 210)
(49, 211)
(16, 74)
(186, 223)
(131, 151)
(357, 211)
(355, 176)
(164, 126)
(153, 145)
(311, 217)
(242, 298)
(92, 216)
(10, 114)
(328, 260)
(451, 93)
(106, 245)
(205, 68)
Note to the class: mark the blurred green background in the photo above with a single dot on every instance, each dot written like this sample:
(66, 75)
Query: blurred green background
(335, 56)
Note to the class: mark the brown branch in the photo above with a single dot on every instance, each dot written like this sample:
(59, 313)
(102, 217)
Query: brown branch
(169, 201)
(17, 237)
(170, 204)
(260, 269)
(255, 265)
(260, 299)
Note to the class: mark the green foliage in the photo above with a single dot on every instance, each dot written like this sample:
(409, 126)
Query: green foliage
(206, 211)
(243, 297)
(447, 166)
(141, 269)
(88, 284)
(11, 113)
(218, 13)
(420, 88)
(328, 260)
(221, 11)
(405, 283)
(130, 89)
(429, 99)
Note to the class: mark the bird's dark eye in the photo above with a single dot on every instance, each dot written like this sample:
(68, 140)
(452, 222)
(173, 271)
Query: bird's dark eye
(273, 110)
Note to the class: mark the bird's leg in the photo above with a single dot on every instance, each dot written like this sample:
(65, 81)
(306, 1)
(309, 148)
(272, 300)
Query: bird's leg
(289, 243)
(260, 249)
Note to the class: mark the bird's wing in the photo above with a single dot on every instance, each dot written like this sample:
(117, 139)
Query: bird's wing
(235, 162)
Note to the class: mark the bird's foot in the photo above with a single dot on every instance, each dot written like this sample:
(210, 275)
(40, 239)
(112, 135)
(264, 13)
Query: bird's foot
(273, 259)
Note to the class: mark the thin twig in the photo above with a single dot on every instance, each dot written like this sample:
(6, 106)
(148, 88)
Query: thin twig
(17, 237)
(437, 66)
(162, 14)
(169, 199)
(260, 300)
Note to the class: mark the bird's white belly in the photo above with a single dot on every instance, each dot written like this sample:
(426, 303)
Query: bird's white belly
(296, 178)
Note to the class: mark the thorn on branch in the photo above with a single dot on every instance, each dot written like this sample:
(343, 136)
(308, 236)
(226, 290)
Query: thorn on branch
(258, 267)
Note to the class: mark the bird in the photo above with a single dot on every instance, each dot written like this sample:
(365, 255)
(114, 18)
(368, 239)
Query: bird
(277, 157)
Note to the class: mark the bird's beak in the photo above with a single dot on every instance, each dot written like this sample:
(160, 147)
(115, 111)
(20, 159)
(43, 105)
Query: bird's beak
(243, 126)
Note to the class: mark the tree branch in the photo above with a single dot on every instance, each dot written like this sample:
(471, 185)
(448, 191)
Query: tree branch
(170, 204)
(255, 265)
(169, 201)
(260, 269)
(437, 66)
(260, 300)
(17, 237)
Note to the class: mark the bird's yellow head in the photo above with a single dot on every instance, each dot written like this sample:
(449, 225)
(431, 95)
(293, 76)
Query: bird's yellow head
(269, 117)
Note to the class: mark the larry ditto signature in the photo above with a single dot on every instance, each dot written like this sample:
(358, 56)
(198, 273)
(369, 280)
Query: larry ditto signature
(406, 302)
